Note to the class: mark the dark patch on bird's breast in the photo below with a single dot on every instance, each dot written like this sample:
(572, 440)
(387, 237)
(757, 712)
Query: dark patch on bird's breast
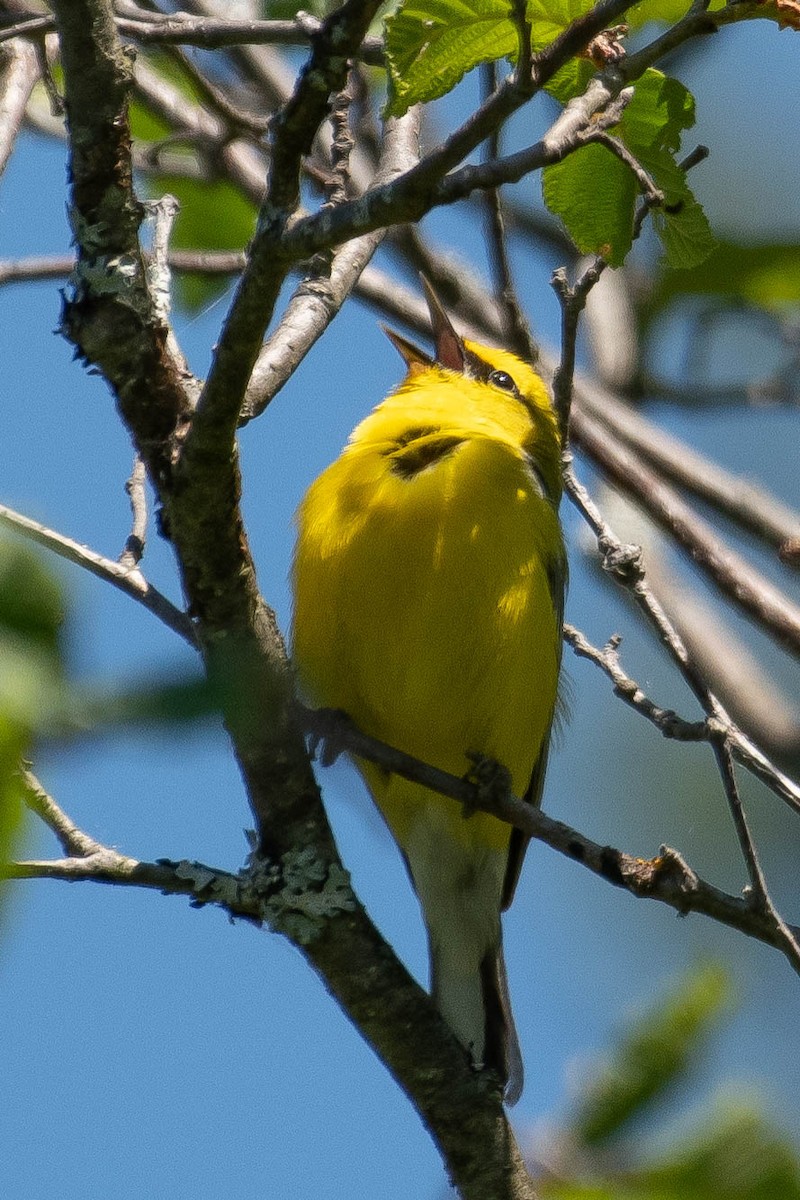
(421, 448)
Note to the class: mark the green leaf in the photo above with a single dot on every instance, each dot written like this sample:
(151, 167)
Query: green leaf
(571, 80)
(431, 44)
(656, 1050)
(167, 702)
(666, 12)
(214, 215)
(549, 18)
(596, 199)
(593, 193)
(31, 604)
(766, 276)
(685, 234)
(659, 111)
(31, 611)
(31, 674)
(734, 1155)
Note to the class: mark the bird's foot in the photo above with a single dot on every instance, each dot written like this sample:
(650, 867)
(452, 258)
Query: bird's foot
(492, 781)
(327, 734)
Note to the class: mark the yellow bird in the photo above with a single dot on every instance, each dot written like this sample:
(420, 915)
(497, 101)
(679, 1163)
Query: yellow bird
(429, 581)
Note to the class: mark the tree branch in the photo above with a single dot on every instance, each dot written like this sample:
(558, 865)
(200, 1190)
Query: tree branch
(316, 302)
(135, 542)
(461, 1108)
(19, 71)
(109, 313)
(293, 131)
(125, 579)
(251, 893)
(736, 579)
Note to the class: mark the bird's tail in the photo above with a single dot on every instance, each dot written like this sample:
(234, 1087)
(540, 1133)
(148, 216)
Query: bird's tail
(458, 869)
(473, 999)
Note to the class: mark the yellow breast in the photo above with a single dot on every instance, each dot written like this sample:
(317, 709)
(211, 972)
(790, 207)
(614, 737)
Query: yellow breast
(425, 577)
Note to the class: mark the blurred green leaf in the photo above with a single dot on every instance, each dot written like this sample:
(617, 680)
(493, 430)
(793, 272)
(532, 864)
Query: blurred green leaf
(728, 1152)
(214, 215)
(166, 702)
(766, 276)
(31, 672)
(31, 605)
(287, 10)
(146, 125)
(734, 1155)
(13, 743)
(650, 1056)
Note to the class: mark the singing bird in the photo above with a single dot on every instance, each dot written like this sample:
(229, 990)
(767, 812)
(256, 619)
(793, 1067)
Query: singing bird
(429, 580)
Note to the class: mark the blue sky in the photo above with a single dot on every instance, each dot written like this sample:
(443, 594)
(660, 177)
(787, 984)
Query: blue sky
(151, 1049)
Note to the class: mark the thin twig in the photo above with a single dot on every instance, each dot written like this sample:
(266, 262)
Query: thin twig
(519, 15)
(28, 28)
(164, 211)
(517, 335)
(131, 582)
(135, 542)
(651, 193)
(72, 839)
(759, 896)
(342, 145)
(54, 97)
(624, 563)
(572, 300)
(58, 266)
(665, 720)
(736, 579)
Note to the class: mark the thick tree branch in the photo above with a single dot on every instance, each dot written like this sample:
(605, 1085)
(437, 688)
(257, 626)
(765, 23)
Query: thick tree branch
(296, 862)
(109, 313)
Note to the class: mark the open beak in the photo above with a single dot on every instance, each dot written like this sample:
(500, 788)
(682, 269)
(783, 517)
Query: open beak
(449, 353)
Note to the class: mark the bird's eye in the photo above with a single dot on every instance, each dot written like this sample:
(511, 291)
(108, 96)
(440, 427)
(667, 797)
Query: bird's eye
(502, 380)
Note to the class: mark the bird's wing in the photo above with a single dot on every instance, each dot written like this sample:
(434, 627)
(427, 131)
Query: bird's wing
(533, 794)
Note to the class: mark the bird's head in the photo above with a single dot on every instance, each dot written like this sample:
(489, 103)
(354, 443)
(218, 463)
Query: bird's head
(481, 389)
